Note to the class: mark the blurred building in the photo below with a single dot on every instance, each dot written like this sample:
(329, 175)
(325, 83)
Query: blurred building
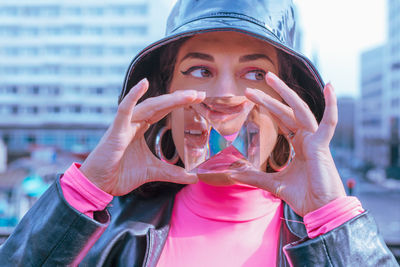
(62, 66)
(344, 133)
(370, 133)
(393, 92)
(378, 112)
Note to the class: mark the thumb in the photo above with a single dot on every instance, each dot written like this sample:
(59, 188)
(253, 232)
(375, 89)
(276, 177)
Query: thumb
(262, 180)
(175, 174)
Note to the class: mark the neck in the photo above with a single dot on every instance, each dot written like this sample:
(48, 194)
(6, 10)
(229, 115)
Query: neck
(229, 203)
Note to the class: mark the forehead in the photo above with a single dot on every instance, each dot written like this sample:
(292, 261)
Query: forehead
(226, 42)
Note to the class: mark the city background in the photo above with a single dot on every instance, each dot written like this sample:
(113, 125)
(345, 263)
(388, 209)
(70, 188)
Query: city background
(62, 64)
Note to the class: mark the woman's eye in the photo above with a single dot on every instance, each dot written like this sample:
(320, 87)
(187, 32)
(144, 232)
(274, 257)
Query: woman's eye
(198, 72)
(255, 75)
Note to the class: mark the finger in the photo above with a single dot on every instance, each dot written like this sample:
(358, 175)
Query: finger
(154, 109)
(258, 179)
(329, 120)
(126, 107)
(174, 174)
(274, 106)
(302, 112)
(284, 130)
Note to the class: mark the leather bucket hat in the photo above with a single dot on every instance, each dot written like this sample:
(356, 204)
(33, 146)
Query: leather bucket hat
(272, 21)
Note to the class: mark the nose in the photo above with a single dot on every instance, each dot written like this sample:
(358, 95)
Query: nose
(225, 85)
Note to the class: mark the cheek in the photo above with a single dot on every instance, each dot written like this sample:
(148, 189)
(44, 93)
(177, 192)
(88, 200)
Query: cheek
(177, 131)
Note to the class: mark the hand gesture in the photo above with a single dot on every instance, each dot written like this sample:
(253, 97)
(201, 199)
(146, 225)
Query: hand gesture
(311, 180)
(122, 161)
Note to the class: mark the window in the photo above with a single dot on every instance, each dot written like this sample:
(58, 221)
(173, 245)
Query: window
(53, 50)
(92, 70)
(136, 30)
(73, 11)
(95, 11)
(53, 30)
(117, 70)
(76, 109)
(73, 29)
(10, 30)
(138, 9)
(6, 138)
(8, 11)
(35, 90)
(98, 91)
(49, 139)
(94, 30)
(30, 31)
(129, 30)
(94, 50)
(396, 66)
(32, 110)
(72, 51)
(395, 102)
(11, 51)
(12, 90)
(30, 139)
(31, 11)
(395, 85)
(51, 69)
(14, 109)
(117, 50)
(54, 90)
(72, 70)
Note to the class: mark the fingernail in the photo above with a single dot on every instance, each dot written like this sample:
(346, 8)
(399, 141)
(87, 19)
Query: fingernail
(142, 81)
(201, 94)
(271, 75)
(189, 93)
(251, 90)
(331, 86)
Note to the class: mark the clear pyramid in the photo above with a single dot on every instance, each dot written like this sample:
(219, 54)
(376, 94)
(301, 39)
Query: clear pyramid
(220, 135)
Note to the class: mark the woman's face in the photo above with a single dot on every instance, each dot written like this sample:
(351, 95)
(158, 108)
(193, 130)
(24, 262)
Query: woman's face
(224, 64)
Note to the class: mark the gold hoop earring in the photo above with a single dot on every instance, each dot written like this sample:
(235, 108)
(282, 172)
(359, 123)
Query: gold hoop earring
(272, 163)
(158, 148)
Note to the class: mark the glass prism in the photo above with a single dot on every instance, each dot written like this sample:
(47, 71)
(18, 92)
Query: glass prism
(221, 134)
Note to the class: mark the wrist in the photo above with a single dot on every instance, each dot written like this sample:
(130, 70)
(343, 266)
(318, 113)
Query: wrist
(93, 176)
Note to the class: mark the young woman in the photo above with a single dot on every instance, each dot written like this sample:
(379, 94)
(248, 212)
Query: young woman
(251, 217)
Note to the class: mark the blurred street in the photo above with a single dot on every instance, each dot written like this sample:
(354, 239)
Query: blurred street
(382, 201)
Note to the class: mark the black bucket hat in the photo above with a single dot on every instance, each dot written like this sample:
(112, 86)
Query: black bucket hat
(272, 21)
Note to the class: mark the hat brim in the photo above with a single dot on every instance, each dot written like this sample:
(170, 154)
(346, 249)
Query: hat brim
(306, 75)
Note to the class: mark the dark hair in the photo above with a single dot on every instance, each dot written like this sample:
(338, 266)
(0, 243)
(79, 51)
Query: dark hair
(158, 66)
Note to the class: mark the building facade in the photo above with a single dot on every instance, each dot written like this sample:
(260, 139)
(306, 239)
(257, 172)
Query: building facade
(393, 83)
(63, 64)
(378, 113)
(370, 133)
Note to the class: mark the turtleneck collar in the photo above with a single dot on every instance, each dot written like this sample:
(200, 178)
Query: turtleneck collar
(228, 203)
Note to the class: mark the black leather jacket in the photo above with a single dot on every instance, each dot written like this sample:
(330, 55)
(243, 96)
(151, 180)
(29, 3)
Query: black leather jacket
(53, 233)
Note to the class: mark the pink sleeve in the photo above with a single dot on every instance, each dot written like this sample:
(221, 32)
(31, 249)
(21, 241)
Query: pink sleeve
(332, 215)
(81, 193)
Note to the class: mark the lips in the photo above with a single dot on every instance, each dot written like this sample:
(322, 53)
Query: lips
(225, 105)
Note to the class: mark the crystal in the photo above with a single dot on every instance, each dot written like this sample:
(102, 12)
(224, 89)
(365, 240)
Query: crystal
(221, 135)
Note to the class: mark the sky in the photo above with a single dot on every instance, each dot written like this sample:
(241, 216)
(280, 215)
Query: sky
(339, 31)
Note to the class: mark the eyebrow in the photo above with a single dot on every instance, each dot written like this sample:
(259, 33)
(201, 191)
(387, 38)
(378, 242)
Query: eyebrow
(198, 56)
(245, 58)
(252, 57)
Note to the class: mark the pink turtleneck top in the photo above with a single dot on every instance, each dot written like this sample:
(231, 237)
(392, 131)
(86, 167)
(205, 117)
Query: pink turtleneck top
(218, 226)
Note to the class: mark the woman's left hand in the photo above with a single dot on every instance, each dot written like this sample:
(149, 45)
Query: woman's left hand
(311, 180)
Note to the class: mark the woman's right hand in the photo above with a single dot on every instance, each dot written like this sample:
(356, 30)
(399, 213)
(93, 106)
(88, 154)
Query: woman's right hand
(122, 161)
